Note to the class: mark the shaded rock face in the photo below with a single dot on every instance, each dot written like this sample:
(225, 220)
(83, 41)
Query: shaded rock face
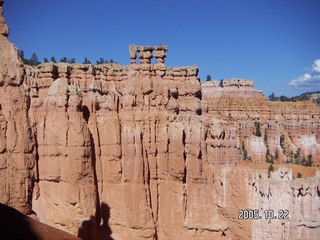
(138, 152)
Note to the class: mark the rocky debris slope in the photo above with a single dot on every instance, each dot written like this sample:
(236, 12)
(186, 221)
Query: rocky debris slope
(138, 152)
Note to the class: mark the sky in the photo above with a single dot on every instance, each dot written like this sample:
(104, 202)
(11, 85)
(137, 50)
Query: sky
(276, 43)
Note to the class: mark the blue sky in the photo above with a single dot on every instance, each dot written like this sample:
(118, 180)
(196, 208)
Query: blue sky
(274, 42)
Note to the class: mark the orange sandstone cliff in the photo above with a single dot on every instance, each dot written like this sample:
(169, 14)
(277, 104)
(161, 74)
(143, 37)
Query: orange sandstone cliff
(148, 152)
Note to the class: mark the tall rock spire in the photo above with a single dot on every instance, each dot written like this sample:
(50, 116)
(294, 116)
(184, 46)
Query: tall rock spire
(11, 68)
(4, 30)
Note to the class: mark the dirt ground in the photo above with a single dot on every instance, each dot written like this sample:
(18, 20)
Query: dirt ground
(305, 171)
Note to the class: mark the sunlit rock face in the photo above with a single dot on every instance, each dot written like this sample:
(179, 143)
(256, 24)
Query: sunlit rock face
(17, 158)
(146, 152)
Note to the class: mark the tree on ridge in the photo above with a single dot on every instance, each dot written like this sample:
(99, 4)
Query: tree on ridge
(53, 59)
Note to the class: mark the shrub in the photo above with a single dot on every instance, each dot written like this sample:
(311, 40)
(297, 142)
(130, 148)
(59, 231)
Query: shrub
(309, 161)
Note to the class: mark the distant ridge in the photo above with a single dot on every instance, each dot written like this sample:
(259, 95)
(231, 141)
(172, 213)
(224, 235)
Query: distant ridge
(313, 96)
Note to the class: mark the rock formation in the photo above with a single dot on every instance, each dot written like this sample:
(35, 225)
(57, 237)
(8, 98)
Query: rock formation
(17, 158)
(145, 152)
(230, 88)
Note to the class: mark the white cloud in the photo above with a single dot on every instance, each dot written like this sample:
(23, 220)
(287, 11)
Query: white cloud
(308, 81)
(316, 66)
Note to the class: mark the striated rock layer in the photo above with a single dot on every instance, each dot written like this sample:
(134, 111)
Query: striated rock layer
(144, 152)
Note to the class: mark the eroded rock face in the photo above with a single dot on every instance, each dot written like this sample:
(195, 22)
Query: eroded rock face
(66, 181)
(259, 131)
(17, 159)
(140, 152)
(300, 200)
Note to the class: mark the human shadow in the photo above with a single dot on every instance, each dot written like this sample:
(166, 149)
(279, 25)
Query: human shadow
(13, 225)
(104, 228)
(97, 230)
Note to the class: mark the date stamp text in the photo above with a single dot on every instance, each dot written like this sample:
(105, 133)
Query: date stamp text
(269, 214)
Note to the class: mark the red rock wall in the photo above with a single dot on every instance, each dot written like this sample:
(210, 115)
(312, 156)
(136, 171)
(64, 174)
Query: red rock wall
(146, 129)
(17, 159)
(155, 147)
(135, 153)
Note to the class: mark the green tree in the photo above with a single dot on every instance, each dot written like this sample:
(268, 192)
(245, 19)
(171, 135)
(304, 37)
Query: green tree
(72, 60)
(299, 175)
(21, 54)
(34, 61)
(111, 60)
(245, 155)
(53, 59)
(208, 78)
(64, 59)
(258, 131)
(282, 144)
(285, 98)
(45, 60)
(297, 156)
(101, 61)
(276, 155)
(272, 97)
(309, 161)
(269, 157)
(86, 61)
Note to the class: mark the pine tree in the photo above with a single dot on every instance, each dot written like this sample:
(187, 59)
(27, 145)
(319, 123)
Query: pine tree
(21, 54)
(85, 61)
(53, 59)
(101, 61)
(208, 78)
(64, 59)
(111, 60)
(309, 161)
(72, 60)
(258, 131)
(34, 60)
(272, 97)
(276, 155)
(45, 60)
